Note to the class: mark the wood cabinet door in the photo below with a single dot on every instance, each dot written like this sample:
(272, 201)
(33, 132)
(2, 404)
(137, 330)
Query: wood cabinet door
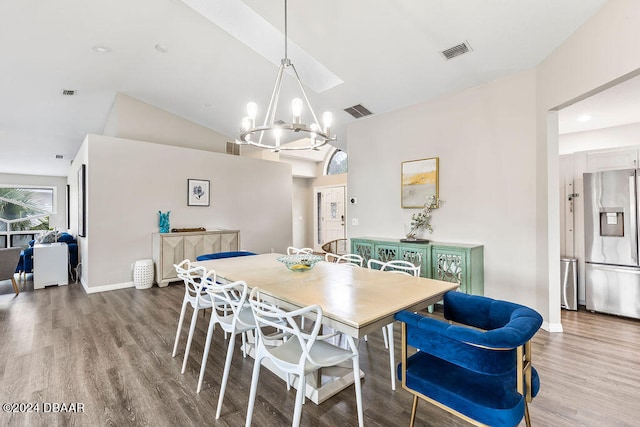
(416, 257)
(386, 253)
(172, 253)
(362, 248)
(449, 265)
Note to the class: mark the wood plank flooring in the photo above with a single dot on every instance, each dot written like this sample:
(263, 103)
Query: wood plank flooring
(111, 352)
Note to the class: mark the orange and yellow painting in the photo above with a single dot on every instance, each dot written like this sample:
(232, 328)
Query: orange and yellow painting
(419, 181)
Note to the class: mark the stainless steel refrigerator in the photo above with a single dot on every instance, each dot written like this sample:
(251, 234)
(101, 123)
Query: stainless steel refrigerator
(612, 266)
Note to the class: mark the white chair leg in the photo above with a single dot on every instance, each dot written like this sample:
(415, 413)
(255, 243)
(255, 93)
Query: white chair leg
(182, 313)
(244, 345)
(392, 358)
(358, 386)
(225, 375)
(192, 328)
(384, 336)
(205, 354)
(297, 413)
(254, 388)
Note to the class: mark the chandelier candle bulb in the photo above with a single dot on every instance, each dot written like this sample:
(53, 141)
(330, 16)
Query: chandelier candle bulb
(327, 119)
(296, 108)
(252, 110)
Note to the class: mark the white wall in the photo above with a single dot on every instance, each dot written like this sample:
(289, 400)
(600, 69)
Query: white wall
(131, 118)
(485, 139)
(130, 181)
(302, 213)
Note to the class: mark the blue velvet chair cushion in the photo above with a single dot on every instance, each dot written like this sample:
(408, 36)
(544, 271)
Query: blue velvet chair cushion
(219, 255)
(490, 399)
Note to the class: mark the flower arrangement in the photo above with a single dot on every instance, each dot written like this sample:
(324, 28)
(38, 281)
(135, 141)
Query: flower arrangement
(422, 219)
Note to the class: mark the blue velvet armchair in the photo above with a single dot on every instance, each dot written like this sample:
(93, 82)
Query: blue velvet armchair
(478, 365)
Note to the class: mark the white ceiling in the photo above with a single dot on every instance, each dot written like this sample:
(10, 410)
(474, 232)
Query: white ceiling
(386, 53)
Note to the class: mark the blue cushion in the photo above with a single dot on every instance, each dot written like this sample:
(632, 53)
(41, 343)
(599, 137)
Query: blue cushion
(219, 255)
(489, 399)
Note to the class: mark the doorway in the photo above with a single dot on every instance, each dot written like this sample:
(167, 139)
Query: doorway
(329, 215)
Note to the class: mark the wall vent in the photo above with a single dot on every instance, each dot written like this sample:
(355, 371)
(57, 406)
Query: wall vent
(68, 92)
(456, 50)
(358, 111)
(232, 148)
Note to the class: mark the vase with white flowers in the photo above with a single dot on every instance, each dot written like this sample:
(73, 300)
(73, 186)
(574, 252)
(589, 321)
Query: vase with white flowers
(422, 219)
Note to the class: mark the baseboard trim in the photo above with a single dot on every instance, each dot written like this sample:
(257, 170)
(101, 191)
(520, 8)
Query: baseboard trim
(105, 288)
(552, 327)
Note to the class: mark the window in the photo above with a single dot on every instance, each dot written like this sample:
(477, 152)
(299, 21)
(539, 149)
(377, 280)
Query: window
(337, 163)
(23, 212)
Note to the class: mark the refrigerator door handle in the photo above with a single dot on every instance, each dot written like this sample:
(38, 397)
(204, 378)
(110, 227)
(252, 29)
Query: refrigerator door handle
(616, 269)
(633, 217)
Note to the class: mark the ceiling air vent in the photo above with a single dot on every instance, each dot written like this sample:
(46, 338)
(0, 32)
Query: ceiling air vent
(457, 50)
(358, 111)
(59, 156)
(68, 92)
(232, 148)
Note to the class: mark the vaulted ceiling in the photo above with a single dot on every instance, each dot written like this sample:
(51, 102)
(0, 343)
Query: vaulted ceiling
(383, 54)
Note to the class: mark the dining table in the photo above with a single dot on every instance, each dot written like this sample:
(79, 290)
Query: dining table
(355, 301)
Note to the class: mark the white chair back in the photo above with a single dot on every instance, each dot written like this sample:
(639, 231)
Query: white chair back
(268, 317)
(295, 251)
(395, 266)
(351, 259)
(229, 302)
(192, 278)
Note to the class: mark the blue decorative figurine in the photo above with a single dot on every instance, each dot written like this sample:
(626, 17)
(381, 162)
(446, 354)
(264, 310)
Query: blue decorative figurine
(164, 221)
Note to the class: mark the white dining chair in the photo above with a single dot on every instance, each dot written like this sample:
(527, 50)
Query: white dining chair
(300, 355)
(350, 259)
(232, 313)
(400, 267)
(196, 297)
(295, 251)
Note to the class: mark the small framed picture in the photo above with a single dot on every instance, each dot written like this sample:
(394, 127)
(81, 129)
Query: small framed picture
(198, 192)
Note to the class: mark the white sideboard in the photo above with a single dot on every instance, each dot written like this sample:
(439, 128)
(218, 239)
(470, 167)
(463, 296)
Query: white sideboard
(172, 248)
(50, 264)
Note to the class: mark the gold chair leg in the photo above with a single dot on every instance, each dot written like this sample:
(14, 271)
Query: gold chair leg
(527, 420)
(414, 408)
(15, 285)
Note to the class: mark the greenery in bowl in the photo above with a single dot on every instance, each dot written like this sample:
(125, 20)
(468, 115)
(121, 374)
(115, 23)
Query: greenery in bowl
(300, 262)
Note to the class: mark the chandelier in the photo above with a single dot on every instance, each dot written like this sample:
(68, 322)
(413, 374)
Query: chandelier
(271, 133)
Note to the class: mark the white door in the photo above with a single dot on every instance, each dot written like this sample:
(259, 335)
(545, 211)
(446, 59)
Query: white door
(331, 215)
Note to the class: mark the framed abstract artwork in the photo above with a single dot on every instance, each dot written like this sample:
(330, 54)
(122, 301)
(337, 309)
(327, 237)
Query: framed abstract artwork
(198, 192)
(419, 180)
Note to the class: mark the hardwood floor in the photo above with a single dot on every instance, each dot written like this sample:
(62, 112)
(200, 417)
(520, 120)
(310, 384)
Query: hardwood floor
(111, 352)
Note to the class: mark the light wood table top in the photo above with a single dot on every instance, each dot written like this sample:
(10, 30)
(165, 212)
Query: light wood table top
(355, 301)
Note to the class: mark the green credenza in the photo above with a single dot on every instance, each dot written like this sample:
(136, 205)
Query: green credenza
(451, 262)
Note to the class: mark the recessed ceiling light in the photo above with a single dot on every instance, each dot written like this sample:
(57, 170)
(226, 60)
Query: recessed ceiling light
(584, 118)
(101, 49)
(161, 48)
